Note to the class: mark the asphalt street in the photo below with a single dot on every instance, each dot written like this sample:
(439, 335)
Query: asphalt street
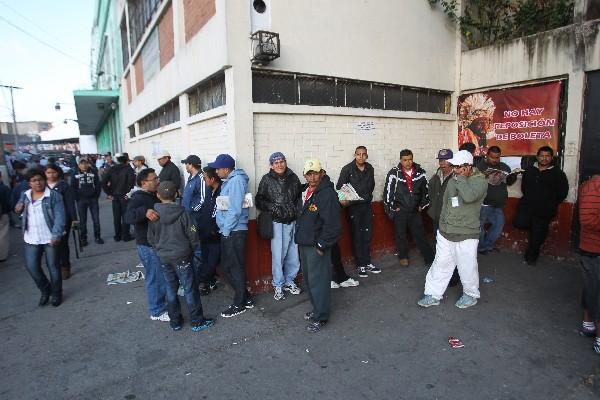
(521, 340)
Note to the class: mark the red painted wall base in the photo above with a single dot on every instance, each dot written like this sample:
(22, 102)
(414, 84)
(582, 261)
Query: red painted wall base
(258, 251)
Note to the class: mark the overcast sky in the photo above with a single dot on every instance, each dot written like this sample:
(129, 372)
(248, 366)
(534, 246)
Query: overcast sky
(46, 75)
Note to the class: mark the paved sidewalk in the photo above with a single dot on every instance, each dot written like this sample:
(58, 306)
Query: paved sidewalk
(521, 340)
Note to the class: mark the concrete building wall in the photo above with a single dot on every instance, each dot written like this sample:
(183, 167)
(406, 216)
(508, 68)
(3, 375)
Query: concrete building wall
(332, 138)
(402, 42)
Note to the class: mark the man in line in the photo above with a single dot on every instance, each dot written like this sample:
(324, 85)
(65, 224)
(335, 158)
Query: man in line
(437, 187)
(544, 187)
(208, 232)
(492, 210)
(4, 219)
(232, 220)
(589, 251)
(458, 234)
(140, 211)
(277, 194)
(195, 188)
(404, 197)
(117, 182)
(360, 174)
(86, 188)
(169, 171)
(318, 228)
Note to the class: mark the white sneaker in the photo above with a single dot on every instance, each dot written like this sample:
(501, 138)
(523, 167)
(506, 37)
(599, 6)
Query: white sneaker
(278, 293)
(334, 285)
(180, 291)
(292, 288)
(164, 317)
(350, 283)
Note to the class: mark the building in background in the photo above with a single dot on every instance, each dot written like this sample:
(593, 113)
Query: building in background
(316, 79)
(97, 109)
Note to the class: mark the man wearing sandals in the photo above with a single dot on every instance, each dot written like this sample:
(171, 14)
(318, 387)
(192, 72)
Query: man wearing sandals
(458, 234)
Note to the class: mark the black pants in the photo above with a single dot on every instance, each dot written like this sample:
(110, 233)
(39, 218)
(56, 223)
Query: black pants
(206, 265)
(64, 256)
(361, 224)
(233, 265)
(83, 205)
(339, 273)
(412, 221)
(537, 235)
(316, 271)
(590, 298)
(119, 205)
(182, 271)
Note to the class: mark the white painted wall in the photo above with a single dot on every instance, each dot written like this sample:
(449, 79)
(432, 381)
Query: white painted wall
(402, 42)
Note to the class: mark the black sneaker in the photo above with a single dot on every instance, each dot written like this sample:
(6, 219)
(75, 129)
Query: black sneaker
(362, 272)
(249, 303)
(117, 238)
(99, 241)
(232, 311)
(207, 323)
(44, 299)
(373, 269)
(84, 242)
(128, 238)
(315, 326)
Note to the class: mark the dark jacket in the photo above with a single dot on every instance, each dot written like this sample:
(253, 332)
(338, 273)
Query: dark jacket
(319, 223)
(279, 195)
(68, 197)
(497, 192)
(118, 180)
(140, 202)
(436, 189)
(170, 172)
(206, 221)
(86, 185)
(397, 195)
(362, 181)
(5, 203)
(543, 190)
(174, 235)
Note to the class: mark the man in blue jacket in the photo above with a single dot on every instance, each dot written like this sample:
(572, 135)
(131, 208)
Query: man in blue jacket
(318, 228)
(232, 220)
(193, 195)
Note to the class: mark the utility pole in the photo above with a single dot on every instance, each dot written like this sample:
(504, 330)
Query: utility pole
(12, 103)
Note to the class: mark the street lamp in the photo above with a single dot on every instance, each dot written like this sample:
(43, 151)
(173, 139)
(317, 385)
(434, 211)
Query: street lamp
(57, 105)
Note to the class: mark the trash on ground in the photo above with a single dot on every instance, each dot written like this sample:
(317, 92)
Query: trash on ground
(365, 362)
(308, 351)
(487, 279)
(124, 277)
(129, 302)
(455, 343)
(140, 265)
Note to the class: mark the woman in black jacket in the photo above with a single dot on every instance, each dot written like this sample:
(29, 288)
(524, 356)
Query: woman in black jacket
(55, 181)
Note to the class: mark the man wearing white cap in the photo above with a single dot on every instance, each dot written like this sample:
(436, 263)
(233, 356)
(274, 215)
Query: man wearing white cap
(458, 234)
(169, 171)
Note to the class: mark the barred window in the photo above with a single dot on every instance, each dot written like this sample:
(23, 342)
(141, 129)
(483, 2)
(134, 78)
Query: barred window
(162, 116)
(124, 43)
(131, 130)
(207, 95)
(276, 87)
(140, 15)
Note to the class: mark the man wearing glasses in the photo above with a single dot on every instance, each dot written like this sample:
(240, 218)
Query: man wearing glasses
(458, 234)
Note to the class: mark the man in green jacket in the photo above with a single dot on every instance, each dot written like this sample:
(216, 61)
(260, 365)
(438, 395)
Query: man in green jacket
(458, 234)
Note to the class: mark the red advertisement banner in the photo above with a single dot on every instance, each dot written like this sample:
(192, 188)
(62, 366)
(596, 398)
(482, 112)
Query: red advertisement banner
(518, 120)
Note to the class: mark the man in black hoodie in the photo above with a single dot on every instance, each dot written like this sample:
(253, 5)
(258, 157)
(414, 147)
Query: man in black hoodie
(169, 171)
(86, 187)
(174, 236)
(117, 182)
(318, 227)
(140, 211)
(404, 197)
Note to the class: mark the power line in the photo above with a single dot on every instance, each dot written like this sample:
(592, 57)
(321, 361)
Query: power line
(42, 41)
(35, 24)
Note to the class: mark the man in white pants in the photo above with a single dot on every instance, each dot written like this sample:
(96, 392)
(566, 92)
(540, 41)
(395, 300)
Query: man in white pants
(458, 234)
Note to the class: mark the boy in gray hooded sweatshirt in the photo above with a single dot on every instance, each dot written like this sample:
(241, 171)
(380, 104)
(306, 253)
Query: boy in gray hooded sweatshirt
(174, 237)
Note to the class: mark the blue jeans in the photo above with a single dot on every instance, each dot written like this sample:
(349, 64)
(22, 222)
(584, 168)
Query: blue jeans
(174, 274)
(494, 216)
(207, 265)
(285, 261)
(33, 263)
(156, 287)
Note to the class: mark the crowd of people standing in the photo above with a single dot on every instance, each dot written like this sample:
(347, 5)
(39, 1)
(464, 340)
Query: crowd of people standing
(182, 228)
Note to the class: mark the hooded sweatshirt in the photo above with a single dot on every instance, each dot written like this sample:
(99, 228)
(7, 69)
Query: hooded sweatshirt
(174, 235)
(235, 218)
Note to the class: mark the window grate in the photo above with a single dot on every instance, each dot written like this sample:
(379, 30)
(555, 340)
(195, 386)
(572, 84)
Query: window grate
(273, 87)
(207, 95)
(162, 116)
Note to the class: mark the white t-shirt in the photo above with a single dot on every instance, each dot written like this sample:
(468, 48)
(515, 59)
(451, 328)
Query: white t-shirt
(37, 231)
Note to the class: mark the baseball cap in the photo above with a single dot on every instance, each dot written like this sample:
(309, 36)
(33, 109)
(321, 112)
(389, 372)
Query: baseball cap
(192, 159)
(167, 189)
(445, 154)
(277, 156)
(223, 161)
(163, 154)
(139, 158)
(461, 157)
(312, 165)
